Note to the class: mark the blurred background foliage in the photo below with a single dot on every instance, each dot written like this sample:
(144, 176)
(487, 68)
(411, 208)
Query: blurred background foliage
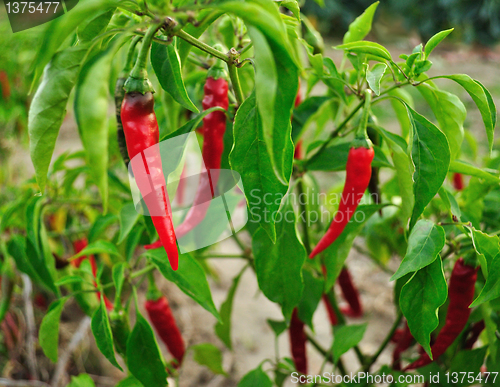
(475, 21)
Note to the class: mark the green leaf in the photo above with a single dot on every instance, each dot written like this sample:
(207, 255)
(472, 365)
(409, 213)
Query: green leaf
(430, 154)
(190, 277)
(278, 327)
(144, 359)
(254, 378)
(483, 101)
(424, 245)
(336, 254)
(98, 247)
(119, 276)
(346, 337)
(313, 290)
(375, 75)
(68, 279)
(128, 218)
(365, 47)
(486, 245)
(82, 380)
(420, 300)
(48, 335)
(167, 66)
(91, 113)
(460, 166)
(304, 112)
(209, 355)
(361, 26)
(470, 362)
(278, 265)
(404, 171)
(450, 113)
(102, 333)
(100, 225)
(435, 40)
(129, 382)
(94, 27)
(61, 28)
(223, 327)
(491, 289)
(293, 6)
(48, 108)
(334, 158)
(250, 156)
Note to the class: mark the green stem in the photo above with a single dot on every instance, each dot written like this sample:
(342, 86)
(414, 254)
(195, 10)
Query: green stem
(246, 48)
(335, 133)
(153, 293)
(235, 81)
(326, 354)
(305, 223)
(361, 132)
(202, 46)
(130, 54)
(384, 344)
(140, 69)
(143, 271)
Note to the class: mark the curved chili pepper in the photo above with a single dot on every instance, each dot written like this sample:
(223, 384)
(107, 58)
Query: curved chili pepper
(141, 133)
(298, 341)
(79, 245)
(403, 342)
(329, 309)
(351, 295)
(461, 294)
(119, 94)
(214, 126)
(163, 320)
(358, 173)
(475, 332)
(458, 181)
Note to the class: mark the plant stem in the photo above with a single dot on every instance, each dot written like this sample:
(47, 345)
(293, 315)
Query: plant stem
(235, 82)
(143, 271)
(386, 341)
(336, 132)
(139, 71)
(246, 48)
(303, 209)
(202, 46)
(326, 354)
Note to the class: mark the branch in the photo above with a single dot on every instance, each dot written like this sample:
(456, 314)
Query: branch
(78, 336)
(22, 383)
(31, 327)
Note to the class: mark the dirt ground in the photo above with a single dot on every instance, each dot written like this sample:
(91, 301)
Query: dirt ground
(253, 339)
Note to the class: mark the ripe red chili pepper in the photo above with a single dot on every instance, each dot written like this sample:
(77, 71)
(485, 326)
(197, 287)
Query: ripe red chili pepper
(141, 133)
(78, 246)
(350, 294)
(298, 147)
(358, 173)
(329, 309)
(214, 126)
(161, 317)
(476, 330)
(5, 85)
(458, 181)
(119, 94)
(403, 342)
(298, 341)
(461, 294)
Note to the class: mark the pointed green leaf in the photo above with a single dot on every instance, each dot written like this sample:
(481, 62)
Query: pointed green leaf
(49, 329)
(167, 66)
(102, 333)
(254, 378)
(208, 355)
(128, 218)
(424, 244)
(435, 40)
(361, 26)
(375, 75)
(366, 47)
(346, 337)
(420, 300)
(313, 291)
(82, 380)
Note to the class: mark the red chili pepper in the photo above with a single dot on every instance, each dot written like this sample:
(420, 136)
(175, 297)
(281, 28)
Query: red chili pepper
(475, 332)
(403, 342)
(298, 341)
(141, 133)
(358, 173)
(461, 294)
(161, 317)
(350, 294)
(214, 126)
(329, 309)
(5, 85)
(298, 147)
(458, 181)
(78, 246)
